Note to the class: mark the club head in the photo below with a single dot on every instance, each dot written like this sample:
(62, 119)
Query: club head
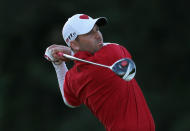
(125, 68)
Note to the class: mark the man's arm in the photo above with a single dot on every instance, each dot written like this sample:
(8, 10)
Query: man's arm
(61, 71)
(59, 65)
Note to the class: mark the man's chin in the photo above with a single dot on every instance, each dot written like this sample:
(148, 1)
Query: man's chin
(100, 44)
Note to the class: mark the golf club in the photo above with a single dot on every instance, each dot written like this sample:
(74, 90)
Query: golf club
(125, 67)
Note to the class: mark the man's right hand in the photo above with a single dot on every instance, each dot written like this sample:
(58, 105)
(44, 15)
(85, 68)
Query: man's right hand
(52, 51)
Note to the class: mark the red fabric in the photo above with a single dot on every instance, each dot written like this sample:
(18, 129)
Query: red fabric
(118, 104)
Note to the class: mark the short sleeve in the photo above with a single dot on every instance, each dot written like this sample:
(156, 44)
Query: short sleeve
(110, 53)
(69, 95)
(125, 51)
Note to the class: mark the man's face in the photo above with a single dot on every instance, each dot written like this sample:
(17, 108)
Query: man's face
(91, 41)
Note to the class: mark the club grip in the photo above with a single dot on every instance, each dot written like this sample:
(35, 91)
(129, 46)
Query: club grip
(69, 56)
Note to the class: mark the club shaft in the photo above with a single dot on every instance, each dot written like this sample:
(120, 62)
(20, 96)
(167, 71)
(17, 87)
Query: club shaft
(78, 59)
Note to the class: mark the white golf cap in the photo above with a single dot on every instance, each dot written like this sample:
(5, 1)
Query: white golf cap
(80, 24)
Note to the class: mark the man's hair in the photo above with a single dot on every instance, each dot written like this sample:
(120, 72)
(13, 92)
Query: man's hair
(77, 39)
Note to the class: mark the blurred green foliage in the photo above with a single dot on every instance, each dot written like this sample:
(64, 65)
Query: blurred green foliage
(155, 32)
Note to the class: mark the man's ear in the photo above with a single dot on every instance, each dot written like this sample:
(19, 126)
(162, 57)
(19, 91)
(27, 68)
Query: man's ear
(74, 46)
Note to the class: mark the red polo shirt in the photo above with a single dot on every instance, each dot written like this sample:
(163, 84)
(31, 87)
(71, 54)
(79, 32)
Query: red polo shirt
(118, 104)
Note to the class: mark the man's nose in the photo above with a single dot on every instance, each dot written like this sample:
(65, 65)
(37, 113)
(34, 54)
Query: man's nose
(97, 35)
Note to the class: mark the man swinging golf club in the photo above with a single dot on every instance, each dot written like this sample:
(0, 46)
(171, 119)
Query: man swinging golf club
(116, 101)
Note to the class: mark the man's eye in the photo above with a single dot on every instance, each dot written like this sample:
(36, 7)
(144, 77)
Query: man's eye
(89, 32)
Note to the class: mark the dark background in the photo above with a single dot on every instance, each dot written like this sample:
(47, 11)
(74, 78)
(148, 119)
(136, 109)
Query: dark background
(156, 32)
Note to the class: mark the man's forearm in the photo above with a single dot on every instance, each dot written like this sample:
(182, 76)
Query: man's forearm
(61, 71)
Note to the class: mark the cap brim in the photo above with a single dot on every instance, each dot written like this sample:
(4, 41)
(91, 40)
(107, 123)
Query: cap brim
(102, 21)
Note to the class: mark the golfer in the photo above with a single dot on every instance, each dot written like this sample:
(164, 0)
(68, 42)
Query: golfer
(118, 104)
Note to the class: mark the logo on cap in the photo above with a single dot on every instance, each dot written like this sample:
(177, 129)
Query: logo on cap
(84, 17)
(70, 37)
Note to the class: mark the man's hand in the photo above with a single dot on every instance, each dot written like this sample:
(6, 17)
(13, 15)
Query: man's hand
(52, 53)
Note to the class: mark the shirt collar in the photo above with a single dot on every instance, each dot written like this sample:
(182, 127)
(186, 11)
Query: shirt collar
(82, 55)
